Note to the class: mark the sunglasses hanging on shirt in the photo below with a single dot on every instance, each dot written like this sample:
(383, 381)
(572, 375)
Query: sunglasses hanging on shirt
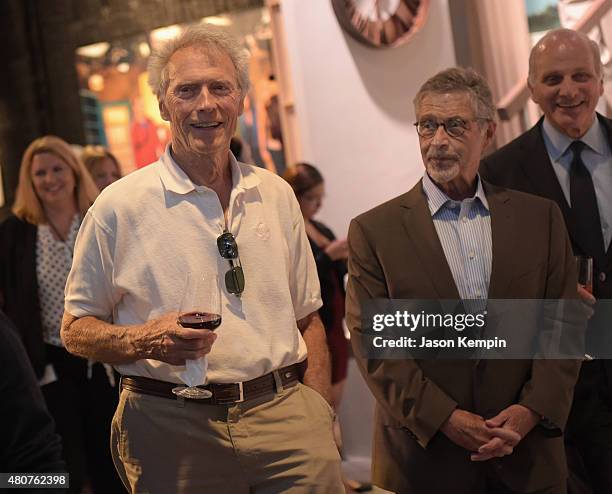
(234, 278)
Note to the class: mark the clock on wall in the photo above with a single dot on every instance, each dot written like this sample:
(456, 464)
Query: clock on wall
(381, 23)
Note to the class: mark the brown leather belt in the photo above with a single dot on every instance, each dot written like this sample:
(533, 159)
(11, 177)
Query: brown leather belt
(222, 394)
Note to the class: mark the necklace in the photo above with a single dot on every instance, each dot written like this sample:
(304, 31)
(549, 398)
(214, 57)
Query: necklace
(61, 238)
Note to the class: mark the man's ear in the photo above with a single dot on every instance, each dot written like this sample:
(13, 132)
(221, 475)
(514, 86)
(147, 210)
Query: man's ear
(489, 133)
(163, 111)
(241, 108)
(530, 87)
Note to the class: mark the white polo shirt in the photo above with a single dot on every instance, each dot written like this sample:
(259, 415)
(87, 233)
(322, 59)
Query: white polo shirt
(146, 231)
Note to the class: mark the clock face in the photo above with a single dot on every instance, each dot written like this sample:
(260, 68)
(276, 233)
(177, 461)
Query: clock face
(381, 23)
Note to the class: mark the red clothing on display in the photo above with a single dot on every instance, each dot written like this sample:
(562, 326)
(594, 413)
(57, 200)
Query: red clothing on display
(145, 142)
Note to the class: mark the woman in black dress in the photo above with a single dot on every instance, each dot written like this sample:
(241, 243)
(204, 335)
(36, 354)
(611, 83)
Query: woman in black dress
(330, 256)
(36, 243)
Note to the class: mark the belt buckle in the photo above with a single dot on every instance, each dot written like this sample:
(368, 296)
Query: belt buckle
(240, 392)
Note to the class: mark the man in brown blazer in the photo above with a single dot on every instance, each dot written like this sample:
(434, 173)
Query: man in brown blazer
(463, 426)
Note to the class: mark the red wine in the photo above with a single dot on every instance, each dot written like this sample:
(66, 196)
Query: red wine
(200, 320)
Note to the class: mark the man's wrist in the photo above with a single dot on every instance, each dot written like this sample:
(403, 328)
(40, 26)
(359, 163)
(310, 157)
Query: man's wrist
(133, 343)
(322, 389)
(446, 425)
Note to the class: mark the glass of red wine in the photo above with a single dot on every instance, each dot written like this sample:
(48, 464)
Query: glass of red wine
(200, 309)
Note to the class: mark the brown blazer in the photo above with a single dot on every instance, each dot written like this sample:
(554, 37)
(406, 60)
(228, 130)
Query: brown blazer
(395, 253)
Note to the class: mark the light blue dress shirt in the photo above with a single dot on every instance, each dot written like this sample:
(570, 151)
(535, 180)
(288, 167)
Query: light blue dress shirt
(598, 160)
(464, 230)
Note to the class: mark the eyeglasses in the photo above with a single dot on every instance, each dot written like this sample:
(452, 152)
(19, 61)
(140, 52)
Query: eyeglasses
(454, 127)
(234, 278)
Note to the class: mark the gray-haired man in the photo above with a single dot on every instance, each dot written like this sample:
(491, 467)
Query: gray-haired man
(193, 211)
(462, 426)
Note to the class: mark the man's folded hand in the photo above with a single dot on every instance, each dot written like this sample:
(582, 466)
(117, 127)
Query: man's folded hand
(517, 419)
(471, 432)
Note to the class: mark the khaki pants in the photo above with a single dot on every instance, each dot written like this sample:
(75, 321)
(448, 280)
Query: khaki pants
(282, 445)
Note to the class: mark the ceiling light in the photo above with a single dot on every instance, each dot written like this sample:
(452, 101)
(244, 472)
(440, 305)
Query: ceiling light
(144, 49)
(217, 20)
(96, 50)
(96, 82)
(165, 33)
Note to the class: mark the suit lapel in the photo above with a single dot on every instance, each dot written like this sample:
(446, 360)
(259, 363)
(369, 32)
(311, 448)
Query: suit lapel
(422, 235)
(503, 238)
(607, 125)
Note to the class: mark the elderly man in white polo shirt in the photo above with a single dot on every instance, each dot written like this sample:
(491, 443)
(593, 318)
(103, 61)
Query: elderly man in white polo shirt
(262, 431)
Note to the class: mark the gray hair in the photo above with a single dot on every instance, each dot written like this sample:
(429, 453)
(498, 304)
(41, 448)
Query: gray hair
(567, 35)
(203, 35)
(460, 79)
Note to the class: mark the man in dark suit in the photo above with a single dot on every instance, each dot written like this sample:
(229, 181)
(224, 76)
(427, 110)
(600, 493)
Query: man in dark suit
(462, 426)
(567, 157)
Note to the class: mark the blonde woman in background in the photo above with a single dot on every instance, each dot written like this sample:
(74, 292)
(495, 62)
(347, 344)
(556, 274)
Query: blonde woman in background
(102, 165)
(36, 243)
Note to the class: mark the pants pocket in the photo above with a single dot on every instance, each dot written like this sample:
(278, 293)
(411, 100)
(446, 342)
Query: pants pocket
(314, 395)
